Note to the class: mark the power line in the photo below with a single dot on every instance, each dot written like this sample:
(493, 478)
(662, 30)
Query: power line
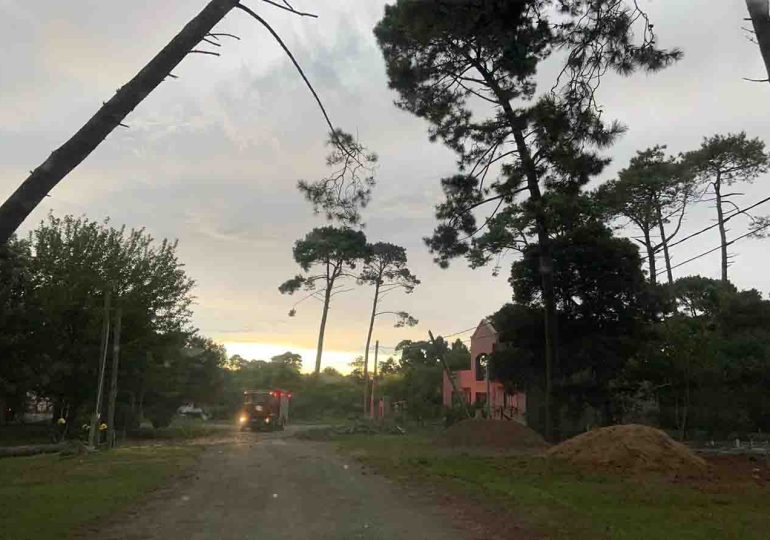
(464, 341)
(725, 220)
(753, 231)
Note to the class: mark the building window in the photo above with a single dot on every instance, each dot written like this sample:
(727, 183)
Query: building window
(481, 367)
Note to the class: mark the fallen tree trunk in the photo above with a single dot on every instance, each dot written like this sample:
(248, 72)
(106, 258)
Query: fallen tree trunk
(43, 179)
(32, 450)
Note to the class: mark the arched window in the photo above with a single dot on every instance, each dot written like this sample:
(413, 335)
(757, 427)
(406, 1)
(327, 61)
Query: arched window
(481, 366)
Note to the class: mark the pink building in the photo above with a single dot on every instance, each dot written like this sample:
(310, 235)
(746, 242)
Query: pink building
(473, 385)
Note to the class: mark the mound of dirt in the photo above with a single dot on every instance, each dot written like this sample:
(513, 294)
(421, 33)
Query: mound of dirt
(493, 434)
(630, 449)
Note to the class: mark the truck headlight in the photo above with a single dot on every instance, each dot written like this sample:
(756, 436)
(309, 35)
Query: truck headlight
(243, 419)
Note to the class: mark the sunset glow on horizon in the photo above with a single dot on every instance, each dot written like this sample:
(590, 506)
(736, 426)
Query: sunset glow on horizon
(339, 360)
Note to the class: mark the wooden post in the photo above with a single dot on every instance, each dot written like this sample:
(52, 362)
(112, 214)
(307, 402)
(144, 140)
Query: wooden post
(374, 377)
(92, 434)
(114, 379)
(451, 377)
(489, 389)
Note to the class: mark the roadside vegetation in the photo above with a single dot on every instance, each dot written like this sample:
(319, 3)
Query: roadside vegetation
(560, 501)
(52, 496)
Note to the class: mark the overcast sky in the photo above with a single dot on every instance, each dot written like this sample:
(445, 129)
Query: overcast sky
(212, 158)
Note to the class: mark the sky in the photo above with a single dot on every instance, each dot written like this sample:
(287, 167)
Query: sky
(212, 158)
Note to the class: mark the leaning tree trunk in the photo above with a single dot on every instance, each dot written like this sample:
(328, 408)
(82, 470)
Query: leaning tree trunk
(759, 11)
(43, 179)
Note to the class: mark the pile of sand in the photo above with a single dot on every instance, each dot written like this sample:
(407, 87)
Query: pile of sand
(630, 449)
(493, 434)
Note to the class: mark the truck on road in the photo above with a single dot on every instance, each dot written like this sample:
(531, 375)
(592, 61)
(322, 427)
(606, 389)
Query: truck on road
(265, 410)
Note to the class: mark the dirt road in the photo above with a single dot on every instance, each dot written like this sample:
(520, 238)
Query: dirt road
(271, 487)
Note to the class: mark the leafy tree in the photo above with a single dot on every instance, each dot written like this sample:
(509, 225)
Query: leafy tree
(388, 367)
(75, 262)
(357, 368)
(183, 371)
(651, 192)
(385, 268)
(16, 320)
(723, 161)
(710, 359)
(333, 252)
(415, 378)
(348, 188)
(469, 69)
(605, 312)
(331, 372)
(458, 357)
(288, 359)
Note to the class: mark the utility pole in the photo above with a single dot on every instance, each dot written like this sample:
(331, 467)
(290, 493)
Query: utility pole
(92, 434)
(489, 394)
(450, 376)
(374, 377)
(114, 379)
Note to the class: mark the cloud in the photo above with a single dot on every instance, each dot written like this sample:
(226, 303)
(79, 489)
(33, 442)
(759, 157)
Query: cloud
(212, 158)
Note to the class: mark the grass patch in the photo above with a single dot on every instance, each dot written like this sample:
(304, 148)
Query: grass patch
(49, 496)
(561, 502)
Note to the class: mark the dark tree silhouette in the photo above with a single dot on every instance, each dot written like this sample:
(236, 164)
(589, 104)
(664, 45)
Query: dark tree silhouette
(469, 69)
(723, 161)
(333, 251)
(652, 192)
(385, 268)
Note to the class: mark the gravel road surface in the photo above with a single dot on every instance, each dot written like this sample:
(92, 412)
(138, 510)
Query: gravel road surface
(275, 487)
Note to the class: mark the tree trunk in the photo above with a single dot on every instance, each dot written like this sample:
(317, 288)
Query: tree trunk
(546, 276)
(374, 378)
(651, 258)
(518, 125)
(664, 243)
(721, 221)
(114, 380)
(759, 11)
(327, 300)
(31, 450)
(369, 342)
(43, 179)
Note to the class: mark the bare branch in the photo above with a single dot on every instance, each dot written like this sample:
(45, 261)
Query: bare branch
(293, 60)
(205, 52)
(290, 9)
(223, 34)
